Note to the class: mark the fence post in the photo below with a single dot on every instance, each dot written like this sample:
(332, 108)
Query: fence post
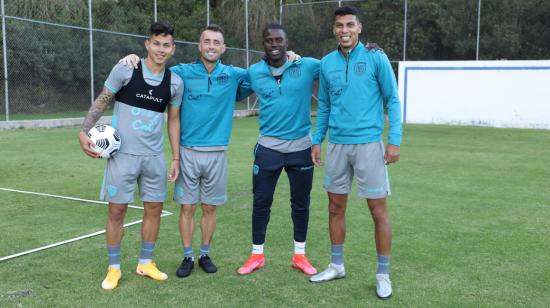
(247, 51)
(207, 13)
(405, 31)
(4, 52)
(280, 12)
(91, 52)
(478, 26)
(155, 10)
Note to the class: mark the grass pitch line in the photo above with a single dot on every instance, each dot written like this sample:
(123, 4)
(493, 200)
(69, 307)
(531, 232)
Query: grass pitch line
(163, 214)
(68, 241)
(73, 198)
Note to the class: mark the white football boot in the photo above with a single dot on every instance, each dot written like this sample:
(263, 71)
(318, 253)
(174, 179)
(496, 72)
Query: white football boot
(383, 286)
(333, 271)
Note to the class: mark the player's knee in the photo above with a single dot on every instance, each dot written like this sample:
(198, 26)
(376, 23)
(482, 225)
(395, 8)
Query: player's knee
(153, 208)
(117, 213)
(208, 210)
(188, 211)
(261, 201)
(336, 209)
(380, 215)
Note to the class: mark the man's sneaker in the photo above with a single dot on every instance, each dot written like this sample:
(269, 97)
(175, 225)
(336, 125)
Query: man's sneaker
(185, 268)
(111, 281)
(301, 262)
(206, 264)
(332, 272)
(150, 270)
(383, 286)
(254, 262)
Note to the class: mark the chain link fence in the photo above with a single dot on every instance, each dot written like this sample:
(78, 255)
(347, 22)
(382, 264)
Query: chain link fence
(50, 70)
(57, 53)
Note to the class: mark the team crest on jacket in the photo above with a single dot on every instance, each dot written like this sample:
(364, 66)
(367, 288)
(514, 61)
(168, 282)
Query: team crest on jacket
(222, 79)
(360, 68)
(295, 72)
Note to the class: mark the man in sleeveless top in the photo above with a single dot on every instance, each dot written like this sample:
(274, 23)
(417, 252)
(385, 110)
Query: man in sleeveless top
(141, 97)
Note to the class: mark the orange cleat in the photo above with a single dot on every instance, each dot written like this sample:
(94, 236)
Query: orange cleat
(300, 261)
(254, 262)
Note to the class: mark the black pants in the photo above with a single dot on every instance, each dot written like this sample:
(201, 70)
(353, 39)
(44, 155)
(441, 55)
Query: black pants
(267, 169)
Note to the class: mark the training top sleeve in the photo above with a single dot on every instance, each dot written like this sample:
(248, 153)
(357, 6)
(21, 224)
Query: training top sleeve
(176, 89)
(388, 87)
(245, 87)
(314, 66)
(120, 76)
(323, 111)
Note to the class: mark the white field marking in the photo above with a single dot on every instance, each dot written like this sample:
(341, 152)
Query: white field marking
(164, 213)
(71, 198)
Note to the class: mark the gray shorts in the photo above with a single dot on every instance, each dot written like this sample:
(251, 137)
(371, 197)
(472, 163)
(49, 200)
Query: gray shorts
(365, 161)
(202, 178)
(122, 173)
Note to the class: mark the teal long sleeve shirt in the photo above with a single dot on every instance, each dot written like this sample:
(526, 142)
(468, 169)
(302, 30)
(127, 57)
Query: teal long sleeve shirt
(208, 102)
(352, 94)
(285, 106)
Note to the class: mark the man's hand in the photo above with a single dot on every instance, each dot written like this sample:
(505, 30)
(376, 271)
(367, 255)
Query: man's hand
(373, 47)
(292, 56)
(174, 170)
(87, 145)
(316, 155)
(131, 61)
(392, 154)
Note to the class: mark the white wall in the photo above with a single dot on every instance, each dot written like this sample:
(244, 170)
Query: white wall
(488, 93)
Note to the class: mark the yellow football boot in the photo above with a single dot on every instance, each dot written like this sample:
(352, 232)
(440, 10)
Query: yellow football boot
(150, 269)
(111, 281)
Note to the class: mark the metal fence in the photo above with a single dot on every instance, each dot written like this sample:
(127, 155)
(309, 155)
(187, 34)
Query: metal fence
(70, 61)
(52, 66)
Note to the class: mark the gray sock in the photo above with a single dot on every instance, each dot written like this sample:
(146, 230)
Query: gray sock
(188, 253)
(337, 254)
(113, 252)
(204, 250)
(383, 264)
(146, 254)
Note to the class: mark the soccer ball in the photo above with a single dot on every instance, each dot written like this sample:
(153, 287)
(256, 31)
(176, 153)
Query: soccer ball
(106, 139)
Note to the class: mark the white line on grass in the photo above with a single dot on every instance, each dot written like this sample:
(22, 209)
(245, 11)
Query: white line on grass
(68, 198)
(164, 213)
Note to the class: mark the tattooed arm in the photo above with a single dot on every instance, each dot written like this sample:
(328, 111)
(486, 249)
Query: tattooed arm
(96, 111)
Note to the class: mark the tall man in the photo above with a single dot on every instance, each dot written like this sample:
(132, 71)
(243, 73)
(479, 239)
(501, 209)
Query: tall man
(284, 90)
(140, 96)
(354, 87)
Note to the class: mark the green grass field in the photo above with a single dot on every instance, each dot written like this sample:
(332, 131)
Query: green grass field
(469, 209)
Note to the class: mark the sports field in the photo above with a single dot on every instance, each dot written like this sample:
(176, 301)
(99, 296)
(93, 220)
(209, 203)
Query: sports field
(470, 213)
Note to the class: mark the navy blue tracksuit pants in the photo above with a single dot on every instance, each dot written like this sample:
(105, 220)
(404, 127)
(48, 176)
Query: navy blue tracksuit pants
(268, 165)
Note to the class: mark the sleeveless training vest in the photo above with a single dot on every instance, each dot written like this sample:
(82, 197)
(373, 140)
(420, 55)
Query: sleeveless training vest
(138, 93)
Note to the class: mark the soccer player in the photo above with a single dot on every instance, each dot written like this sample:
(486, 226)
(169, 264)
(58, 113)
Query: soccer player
(354, 87)
(284, 90)
(141, 97)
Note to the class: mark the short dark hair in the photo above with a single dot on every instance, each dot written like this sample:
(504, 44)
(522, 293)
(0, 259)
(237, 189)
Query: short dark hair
(273, 26)
(161, 28)
(346, 10)
(213, 28)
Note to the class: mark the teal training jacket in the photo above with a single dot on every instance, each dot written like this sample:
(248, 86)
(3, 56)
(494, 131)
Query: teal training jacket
(285, 106)
(352, 94)
(208, 102)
